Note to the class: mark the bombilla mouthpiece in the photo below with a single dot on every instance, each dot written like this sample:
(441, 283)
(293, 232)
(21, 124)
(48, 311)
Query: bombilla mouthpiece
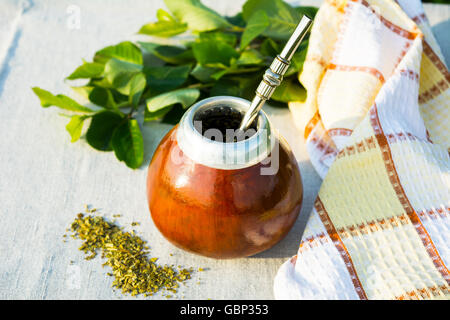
(274, 75)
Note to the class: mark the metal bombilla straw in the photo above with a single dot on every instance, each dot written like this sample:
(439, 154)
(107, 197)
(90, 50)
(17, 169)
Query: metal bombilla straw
(274, 75)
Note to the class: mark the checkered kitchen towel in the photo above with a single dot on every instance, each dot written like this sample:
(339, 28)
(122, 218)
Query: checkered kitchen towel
(376, 127)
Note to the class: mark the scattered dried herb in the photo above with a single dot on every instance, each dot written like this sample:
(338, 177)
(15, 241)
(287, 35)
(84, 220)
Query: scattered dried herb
(127, 255)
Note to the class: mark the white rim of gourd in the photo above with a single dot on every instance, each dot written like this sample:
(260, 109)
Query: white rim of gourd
(224, 155)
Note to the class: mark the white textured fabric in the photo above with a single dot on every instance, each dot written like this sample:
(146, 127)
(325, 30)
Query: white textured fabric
(380, 224)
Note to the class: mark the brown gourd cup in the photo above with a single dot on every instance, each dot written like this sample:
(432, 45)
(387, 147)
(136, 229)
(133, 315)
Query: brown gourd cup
(223, 198)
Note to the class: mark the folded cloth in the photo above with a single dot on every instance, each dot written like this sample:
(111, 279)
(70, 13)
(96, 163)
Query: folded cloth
(376, 127)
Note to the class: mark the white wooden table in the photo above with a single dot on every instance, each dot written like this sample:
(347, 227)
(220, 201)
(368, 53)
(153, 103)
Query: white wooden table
(45, 180)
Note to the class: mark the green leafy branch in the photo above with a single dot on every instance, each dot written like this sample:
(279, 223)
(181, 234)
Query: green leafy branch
(226, 56)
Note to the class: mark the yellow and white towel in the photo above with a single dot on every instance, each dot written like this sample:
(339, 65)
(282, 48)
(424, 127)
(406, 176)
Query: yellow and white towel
(376, 127)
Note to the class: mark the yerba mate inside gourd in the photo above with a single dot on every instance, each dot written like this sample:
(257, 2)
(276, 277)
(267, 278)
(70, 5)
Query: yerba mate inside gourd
(221, 124)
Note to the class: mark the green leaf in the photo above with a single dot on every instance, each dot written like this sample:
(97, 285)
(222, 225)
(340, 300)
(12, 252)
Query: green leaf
(237, 20)
(219, 36)
(282, 17)
(250, 57)
(289, 90)
(170, 54)
(165, 27)
(248, 83)
(270, 48)
(150, 46)
(87, 70)
(75, 126)
(156, 115)
(257, 23)
(102, 97)
(298, 59)
(101, 83)
(196, 15)
(226, 88)
(61, 101)
(174, 115)
(97, 95)
(204, 74)
(125, 51)
(101, 129)
(119, 73)
(128, 144)
(137, 87)
(83, 91)
(310, 12)
(163, 15)
(219, 74)
(165, 78)
(186, 97)
(213, 53)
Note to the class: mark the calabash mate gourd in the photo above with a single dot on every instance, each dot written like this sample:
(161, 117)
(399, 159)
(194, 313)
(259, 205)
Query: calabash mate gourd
(234, 196)
(223, 199)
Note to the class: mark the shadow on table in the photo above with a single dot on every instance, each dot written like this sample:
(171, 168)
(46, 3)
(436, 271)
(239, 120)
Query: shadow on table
(4, 72)
(440, 31)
